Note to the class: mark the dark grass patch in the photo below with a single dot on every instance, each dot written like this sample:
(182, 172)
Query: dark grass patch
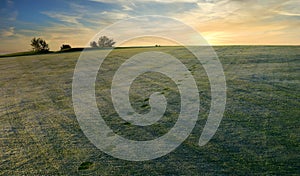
(85, 165)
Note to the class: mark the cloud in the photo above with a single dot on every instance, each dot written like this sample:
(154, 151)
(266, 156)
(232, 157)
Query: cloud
(14, 42)
(208, 10)
(64, 17)
(115, 15)
(142, 1)
(219, 21)
(57, 34)
(287, 13)
(86, 16)
(7, 32)
(76, 26)
(245, 22)
(127, 8)
(8, 13)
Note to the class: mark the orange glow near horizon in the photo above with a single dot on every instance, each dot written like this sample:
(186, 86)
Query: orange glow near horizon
(148, 41)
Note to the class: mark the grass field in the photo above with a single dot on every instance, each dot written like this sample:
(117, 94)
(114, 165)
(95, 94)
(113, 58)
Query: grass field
(259, 134)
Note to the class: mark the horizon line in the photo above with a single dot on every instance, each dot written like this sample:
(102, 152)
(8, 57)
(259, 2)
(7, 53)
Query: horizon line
(154, 46)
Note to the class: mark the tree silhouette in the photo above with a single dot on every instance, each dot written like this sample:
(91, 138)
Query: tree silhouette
(93, 44)
(65, 47)
(105, 42)
(39, 45)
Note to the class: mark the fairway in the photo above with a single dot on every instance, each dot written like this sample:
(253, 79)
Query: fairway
(259, 133)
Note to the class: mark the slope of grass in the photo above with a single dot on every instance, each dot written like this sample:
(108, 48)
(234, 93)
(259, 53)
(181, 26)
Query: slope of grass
(29, 53)
(259, 134)
(25, 53)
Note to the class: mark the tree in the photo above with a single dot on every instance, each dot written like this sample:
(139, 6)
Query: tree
(105, 42)
(93, 44)
(35, 44)
(65, 47)
(39, 45)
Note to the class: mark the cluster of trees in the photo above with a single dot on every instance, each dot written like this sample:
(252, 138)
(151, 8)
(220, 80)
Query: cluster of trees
(103, 42)
(40, 45)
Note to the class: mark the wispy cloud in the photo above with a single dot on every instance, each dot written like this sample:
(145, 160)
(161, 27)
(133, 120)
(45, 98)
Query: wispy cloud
(64, 17)
(8, 14)
(141, 1)
(115, 15)
(287, 13)
(244, 22)
(7, 32)
(219, 21)
(127, 8)
(10, 3)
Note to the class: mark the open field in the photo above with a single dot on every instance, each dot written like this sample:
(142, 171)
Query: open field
(259, 134)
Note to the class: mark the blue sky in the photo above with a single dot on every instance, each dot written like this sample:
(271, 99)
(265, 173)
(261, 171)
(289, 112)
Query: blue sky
(75, 22)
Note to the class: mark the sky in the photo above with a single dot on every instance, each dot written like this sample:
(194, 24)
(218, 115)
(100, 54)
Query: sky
(76, 22)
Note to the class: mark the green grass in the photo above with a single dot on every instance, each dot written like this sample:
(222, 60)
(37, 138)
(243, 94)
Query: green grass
(29, 53)
(25, 53)
(259, 134)
(85, 165)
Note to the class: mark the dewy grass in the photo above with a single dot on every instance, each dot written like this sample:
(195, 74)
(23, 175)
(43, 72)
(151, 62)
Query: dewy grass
(85, 165)
(259, 134)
